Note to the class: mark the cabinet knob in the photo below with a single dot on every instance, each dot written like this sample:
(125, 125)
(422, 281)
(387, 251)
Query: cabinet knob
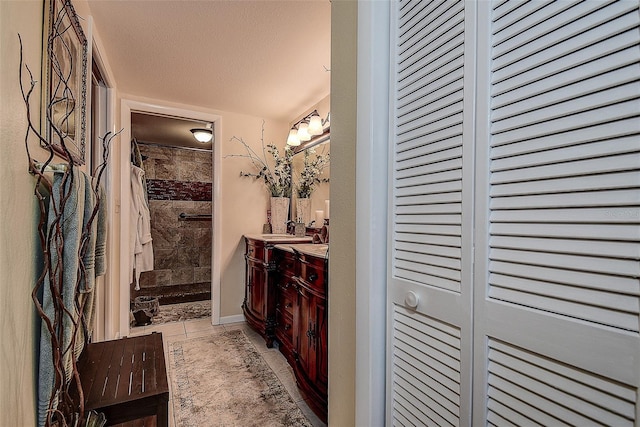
(313, 277)
(411, 299)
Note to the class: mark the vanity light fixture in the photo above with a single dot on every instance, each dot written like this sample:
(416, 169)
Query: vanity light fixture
(315, 124)
(203, 135)
(303, 132)
(293, 139)
(306, 128)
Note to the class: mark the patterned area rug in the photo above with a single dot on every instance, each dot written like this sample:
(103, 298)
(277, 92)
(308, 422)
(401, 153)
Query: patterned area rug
(221, 380)
(184, 311)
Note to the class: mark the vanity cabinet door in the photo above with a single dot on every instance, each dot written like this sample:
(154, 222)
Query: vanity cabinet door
(255, 289)
(311, 347)
(302, 322)
(255, 306)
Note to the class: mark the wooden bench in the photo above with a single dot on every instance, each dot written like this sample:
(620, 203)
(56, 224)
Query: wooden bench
(126, 379)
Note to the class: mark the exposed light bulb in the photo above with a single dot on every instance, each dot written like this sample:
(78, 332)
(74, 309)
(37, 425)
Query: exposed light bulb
(293, 139)
(315, 125)
(303, 132)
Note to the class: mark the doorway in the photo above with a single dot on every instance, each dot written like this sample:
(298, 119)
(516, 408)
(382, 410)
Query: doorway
(133, 109)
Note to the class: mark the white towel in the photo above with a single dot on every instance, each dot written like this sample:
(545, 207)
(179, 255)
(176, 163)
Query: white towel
(141, 249)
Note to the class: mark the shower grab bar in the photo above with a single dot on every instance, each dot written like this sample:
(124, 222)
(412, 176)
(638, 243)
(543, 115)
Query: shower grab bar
(184, 216)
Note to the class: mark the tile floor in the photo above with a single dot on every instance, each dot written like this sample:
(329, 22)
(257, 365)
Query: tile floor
(176, 331)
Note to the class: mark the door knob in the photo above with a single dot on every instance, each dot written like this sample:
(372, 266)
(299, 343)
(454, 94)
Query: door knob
(411, 299)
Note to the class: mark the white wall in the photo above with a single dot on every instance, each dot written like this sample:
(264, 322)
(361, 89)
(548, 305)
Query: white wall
(18, 213)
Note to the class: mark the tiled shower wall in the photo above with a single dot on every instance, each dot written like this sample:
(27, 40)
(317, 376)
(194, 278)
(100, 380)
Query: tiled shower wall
(178, 181)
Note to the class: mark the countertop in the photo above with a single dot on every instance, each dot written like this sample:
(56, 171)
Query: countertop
(318, 250)
(278, 238)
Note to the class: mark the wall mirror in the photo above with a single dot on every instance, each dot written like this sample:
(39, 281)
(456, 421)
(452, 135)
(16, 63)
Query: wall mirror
(312, 155)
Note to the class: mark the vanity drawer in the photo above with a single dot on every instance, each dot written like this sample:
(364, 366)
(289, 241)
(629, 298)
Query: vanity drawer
(255, 249)
(286, 296)
(284, 327)
(312, 273)
(287, 263)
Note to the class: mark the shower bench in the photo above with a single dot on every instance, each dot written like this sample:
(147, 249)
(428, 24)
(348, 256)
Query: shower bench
(126, 379)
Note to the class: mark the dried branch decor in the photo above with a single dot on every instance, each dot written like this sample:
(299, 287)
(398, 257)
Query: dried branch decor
(277, 178)
(71, 232)
(312, 168)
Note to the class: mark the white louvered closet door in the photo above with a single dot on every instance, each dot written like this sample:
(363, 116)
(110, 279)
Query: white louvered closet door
(429, 283)
(556, 314)
(514, 214)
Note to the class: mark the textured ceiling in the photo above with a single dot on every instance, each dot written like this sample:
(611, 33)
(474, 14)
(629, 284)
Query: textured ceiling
(266, 58)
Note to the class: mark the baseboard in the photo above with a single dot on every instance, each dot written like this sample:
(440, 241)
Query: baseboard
(232, 319)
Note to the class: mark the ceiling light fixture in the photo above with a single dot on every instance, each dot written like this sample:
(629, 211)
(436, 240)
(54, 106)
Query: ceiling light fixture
(306, 128)
(203, 135)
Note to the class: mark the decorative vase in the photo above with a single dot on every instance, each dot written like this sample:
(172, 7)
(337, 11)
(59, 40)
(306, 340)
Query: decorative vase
(279, 214)
(303, 210)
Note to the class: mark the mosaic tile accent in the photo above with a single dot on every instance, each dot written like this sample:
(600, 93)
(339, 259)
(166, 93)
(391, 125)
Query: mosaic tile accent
(165, 189)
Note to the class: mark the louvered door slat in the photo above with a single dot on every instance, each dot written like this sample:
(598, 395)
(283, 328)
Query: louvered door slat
(438, 199)
(502, 381)
(433, 382)
(566, 387)
(604, 215)
(624, 393)
(552, 26)
(429, 367)
(426, 366)
(435, 26)
(411, 178)
(614, 232)
(564, 153)
(578, 398)
(573, 184)
(501, 404)
(545, 17)
(590, 80)
(618, 129)
(516, 63)
(615, 284)
(549, 303)
(443, 251)
(573, 104)
(404, 228)
(591, 198)
(444, 101)
(612, 113)
(607, 249)
(440, 48)
(427, 157)
(592, 264)
(600, 165)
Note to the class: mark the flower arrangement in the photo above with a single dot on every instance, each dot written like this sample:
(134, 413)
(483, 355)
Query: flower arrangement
(278, 177)
(310, 174)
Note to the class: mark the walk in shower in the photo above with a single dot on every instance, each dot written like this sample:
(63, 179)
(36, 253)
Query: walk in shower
(179, 191)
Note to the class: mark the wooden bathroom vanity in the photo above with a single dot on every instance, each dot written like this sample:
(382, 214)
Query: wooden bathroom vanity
(259, 295)
(296, 291)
